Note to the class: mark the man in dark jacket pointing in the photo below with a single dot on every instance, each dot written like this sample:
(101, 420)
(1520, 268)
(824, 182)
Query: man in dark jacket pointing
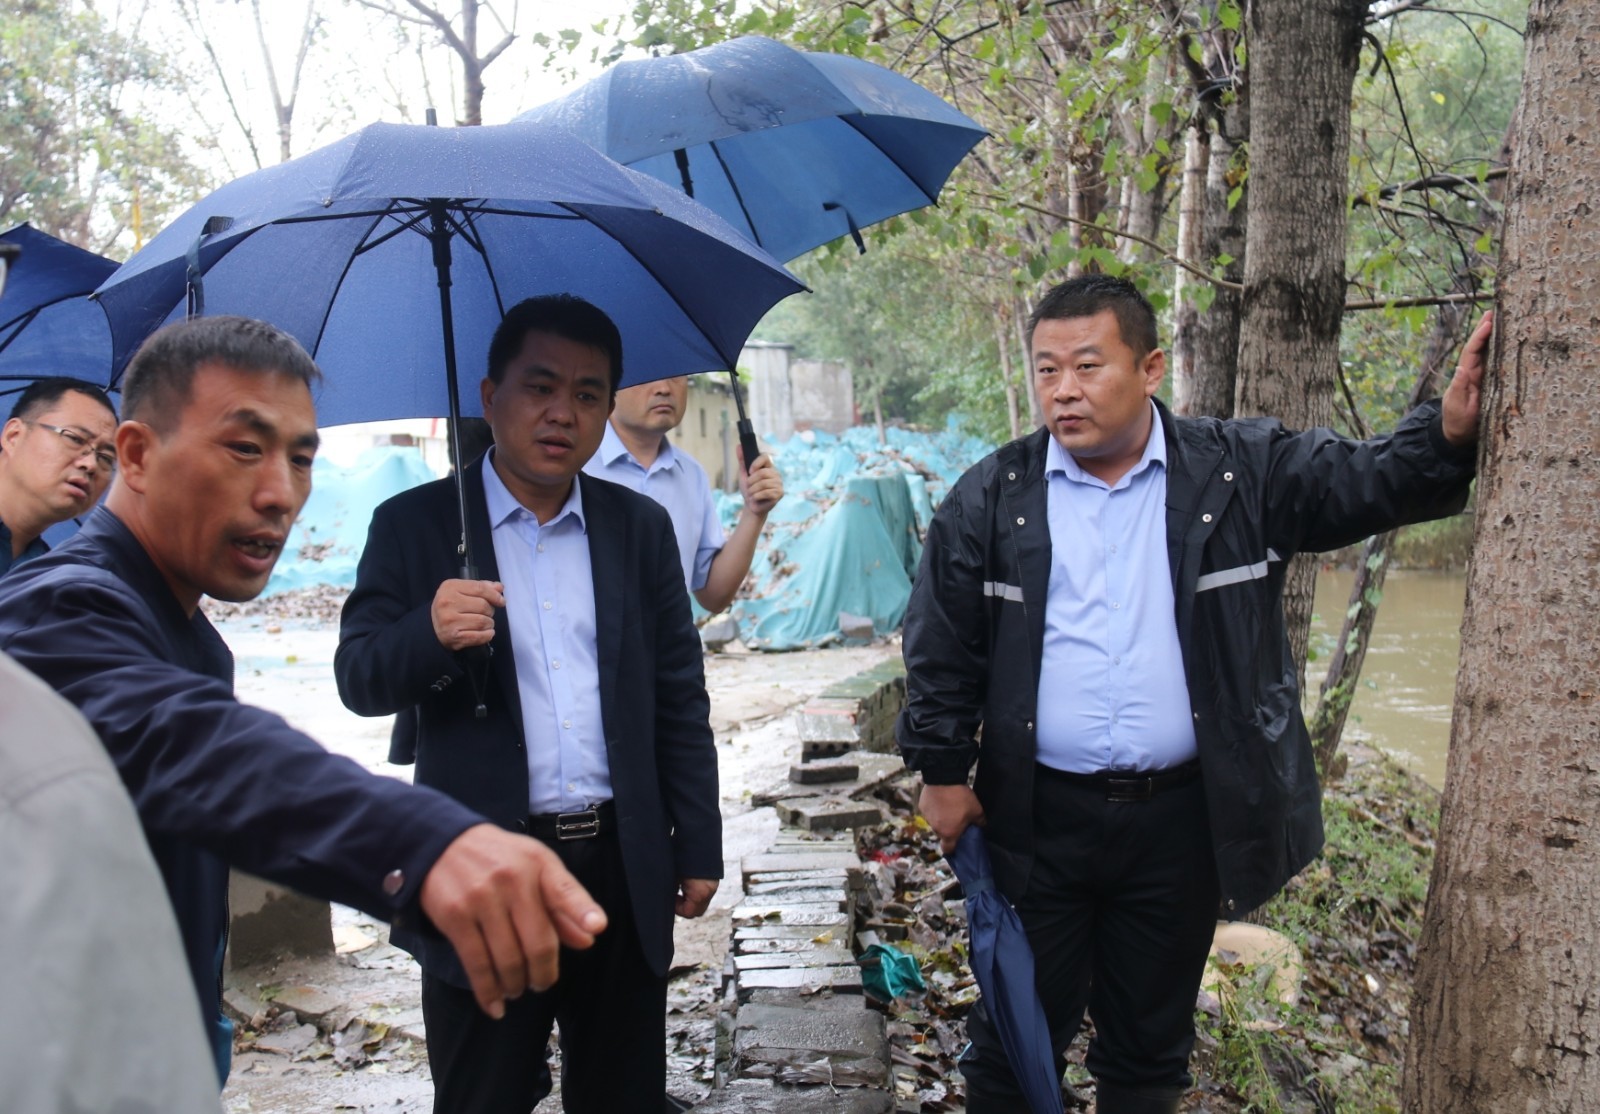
(1100, 602)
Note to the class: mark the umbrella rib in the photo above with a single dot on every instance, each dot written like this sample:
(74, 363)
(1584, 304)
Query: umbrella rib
(402, 226)
(471, 235)
(933, 199)
(21, 321)
(333, 295)
(737, 195)
(728, 362)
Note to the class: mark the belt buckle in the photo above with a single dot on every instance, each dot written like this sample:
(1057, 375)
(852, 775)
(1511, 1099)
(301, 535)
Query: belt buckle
(1130, 788)
(578, 825)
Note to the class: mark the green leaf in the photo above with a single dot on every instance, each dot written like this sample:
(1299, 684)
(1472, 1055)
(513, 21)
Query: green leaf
(1228, 15)
(1234, 195)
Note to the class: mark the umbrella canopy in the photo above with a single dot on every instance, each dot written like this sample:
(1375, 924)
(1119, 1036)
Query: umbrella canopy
(48, 326)
(1002, 962)
(793, 148)
(338, 248)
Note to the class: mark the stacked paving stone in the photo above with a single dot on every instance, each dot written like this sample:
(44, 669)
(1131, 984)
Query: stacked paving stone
(857, 713)
(796, 1034)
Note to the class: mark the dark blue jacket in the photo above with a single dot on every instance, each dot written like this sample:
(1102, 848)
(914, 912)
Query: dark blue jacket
(653, 700)
(215, 782)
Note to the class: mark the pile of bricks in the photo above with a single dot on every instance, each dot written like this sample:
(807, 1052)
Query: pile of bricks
(796, 1034)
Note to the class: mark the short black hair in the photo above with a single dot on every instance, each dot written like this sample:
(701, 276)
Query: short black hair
(160, 378)
(564, 315)
(44, 393)
(1088, 295)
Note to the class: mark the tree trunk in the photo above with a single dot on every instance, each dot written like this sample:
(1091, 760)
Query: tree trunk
(1303, 59)
(1019, 321)
(1216, 340)
(1504, 1017)
(1191, 228)
(1008, 374)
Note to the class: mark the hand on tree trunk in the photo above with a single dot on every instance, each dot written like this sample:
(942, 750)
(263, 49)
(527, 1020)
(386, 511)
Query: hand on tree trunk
(1464, 396)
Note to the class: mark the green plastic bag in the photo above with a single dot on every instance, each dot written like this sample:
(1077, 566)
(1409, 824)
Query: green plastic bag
(887, 972)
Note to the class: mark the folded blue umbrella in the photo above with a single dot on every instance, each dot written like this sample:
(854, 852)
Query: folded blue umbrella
(48, 325)
(1002, 962)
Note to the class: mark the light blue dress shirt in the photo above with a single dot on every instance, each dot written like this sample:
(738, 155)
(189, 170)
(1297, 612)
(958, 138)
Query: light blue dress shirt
(678, 483)
(549, 587)
(1112, 693)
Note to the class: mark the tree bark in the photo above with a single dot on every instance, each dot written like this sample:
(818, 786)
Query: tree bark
(1191, 229)
(1303, 60)
(1216, 338)
(1503, 1017)
(1008, 373)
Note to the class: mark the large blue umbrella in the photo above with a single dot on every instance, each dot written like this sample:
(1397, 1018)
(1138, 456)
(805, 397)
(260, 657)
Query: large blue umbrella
(1002, 962)
(794, 149)
(48, 325)
(393, 253)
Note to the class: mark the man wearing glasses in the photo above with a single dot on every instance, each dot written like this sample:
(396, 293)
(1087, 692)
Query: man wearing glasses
(56, 459)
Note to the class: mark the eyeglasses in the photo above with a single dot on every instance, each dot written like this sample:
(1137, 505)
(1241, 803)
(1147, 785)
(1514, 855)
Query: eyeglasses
(104, 455)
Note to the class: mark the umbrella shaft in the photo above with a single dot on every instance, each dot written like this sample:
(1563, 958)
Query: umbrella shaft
(439, 236)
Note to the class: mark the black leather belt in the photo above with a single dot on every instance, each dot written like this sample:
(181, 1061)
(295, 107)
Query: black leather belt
(1128, 785)
(585, 824)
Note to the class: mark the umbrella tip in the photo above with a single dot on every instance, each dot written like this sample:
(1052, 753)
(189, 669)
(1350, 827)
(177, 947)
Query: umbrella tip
(432, 117)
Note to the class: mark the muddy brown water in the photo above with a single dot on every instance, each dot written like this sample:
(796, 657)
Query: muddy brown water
(1408, 682)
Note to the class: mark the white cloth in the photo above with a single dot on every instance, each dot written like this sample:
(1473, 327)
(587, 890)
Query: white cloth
(98, 1011)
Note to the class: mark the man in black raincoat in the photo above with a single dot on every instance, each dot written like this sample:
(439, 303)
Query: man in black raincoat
(1097, 625)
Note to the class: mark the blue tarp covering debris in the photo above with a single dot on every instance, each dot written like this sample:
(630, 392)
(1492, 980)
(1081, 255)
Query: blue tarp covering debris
(327, 539)
(845, 539)
(848, 535)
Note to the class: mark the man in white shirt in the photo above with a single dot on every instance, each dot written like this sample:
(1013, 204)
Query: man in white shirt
(636, 453)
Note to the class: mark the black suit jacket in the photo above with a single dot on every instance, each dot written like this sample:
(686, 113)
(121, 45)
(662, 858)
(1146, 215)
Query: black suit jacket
(653, 700)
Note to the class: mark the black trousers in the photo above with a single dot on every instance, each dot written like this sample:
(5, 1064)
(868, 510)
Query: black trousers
(1120, 910)
(611, 1009)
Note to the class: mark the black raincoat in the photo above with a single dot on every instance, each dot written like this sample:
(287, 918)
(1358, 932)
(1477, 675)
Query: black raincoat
(1242, 497)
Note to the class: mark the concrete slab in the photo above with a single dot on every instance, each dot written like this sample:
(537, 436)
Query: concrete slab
(753, 1096)
(814, 914)
(829, 813)
(817, 956)
(840, 980)
(800, 859)
(815, 877)
(849, 1003)
(797, 893)
(309, 1003)
(769, 930)
(788, 946)
(830, 1046)
(823, 773)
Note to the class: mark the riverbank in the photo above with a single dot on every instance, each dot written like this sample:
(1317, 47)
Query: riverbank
(1355, 915)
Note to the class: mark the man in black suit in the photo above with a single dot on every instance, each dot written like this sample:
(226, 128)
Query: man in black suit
(587, 725)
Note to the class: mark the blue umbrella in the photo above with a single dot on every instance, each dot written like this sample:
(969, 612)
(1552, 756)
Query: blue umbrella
(792, 148)
(393, 251)
(48, 326)
(1002, 962)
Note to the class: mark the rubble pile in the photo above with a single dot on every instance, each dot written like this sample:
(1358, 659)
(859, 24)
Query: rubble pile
(1355, 914)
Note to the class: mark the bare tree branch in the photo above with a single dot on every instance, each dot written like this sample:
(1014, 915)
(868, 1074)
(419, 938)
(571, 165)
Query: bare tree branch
(1420, 300)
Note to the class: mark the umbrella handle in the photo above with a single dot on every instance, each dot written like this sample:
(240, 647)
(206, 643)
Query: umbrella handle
(747, 443)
